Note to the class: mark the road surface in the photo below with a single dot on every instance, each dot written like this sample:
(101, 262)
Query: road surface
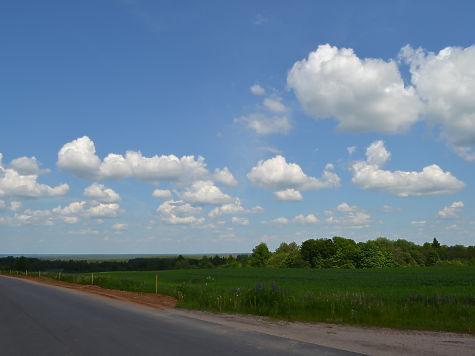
(39, 319)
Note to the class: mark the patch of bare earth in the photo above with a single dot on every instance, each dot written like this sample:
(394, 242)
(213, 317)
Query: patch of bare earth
(157, 301)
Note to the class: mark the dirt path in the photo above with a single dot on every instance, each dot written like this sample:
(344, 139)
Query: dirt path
(366, 340)
(157, 301)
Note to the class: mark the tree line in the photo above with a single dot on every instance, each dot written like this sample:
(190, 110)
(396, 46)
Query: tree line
(337, 252)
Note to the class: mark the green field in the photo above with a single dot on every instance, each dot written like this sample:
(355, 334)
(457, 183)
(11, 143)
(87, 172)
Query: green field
(432, 298)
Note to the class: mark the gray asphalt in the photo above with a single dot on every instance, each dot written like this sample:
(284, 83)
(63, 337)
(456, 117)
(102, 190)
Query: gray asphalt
(45, 320)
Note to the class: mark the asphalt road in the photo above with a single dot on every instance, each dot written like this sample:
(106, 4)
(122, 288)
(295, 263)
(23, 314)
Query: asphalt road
(39, 319)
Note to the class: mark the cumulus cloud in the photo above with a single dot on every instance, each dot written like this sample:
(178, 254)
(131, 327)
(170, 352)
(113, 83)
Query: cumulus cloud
(79, 157)
(162, 193)
(361, 94)
(178, 212)
(419, 223)
(432, 180)
(276, 174)
(101, 193)
(103, 210)
(299, 219)
(84, 232)
(274, 104)
(239, 221)
(446, 82)
(234, 207)
(265, 125)
(27, 166)
(205, 192)
(451, 211)
(281, 221)
(119, 227)
(288, 194)
(348, 216)
(73, 208)
(302, 219)
(16, 184)
(256, 89)
(70, 219)
(224, 176)
(351, 149)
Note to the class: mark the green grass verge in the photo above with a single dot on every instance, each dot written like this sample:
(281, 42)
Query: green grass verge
(432, 298)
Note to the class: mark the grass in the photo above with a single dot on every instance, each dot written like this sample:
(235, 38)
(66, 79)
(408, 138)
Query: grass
(432, 298)
(435, 298)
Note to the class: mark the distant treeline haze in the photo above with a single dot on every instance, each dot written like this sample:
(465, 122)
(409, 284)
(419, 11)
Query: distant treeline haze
(337, 252)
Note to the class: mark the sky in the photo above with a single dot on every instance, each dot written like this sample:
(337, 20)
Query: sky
(161, 127)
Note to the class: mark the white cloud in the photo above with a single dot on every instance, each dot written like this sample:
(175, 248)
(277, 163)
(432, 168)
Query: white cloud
(281, 221)
(15, 184)
(345, 208)
(256, 89)
(299, 219)
(178, 212)
(205, 192)
(388, 209)
(79, 157)
(27, 166)
(288, 194)
(274, 104)
(70, 219)
(419, 223)
(446, 82)
(162, 194)
(73, 208)
(224, 176)
(84, 232)
(277, 174)
(309, 219)
(15, 205)
(234, 208)
(451, 211)
(266, 125)
(101, 193)
(103, 210)
(348, 216)
(351, 149)
(239, 221)
(432, 180)
(119, 227)
(362, 94)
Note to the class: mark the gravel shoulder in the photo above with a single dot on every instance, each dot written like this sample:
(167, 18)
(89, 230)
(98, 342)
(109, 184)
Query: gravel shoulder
(366, 340)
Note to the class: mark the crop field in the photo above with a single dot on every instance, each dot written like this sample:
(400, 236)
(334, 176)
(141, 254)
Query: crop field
(433, 298)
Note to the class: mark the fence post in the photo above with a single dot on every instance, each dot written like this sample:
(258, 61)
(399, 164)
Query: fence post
(92, 278)
(26, 273)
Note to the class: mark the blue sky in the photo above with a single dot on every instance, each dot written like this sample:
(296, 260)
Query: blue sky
(202, 127)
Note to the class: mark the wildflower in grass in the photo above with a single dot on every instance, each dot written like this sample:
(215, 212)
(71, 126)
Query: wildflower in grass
(309, 295)
(260, 287)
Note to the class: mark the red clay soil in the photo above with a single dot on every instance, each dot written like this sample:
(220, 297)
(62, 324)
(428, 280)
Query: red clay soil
(157, 301)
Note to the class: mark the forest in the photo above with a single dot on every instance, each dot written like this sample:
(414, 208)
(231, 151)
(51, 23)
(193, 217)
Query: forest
(334, 253)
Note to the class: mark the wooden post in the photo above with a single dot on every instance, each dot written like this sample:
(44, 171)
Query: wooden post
(156, 284)
(26, 273)
(92, 277)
